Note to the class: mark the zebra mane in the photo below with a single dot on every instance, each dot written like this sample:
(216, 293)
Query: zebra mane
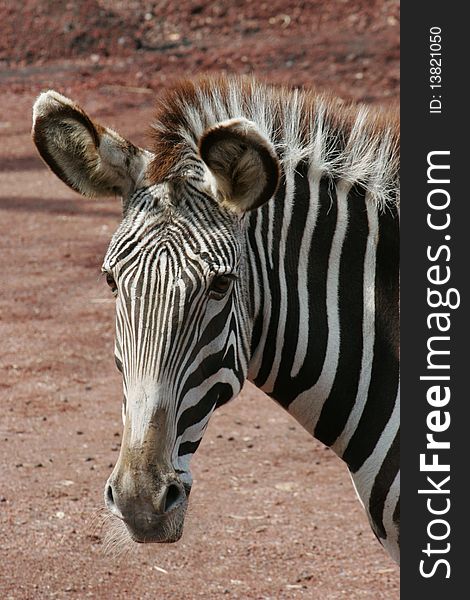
(352, 142)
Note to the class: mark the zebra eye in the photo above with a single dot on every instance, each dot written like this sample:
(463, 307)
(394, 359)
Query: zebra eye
(112, 284)
(220, 285)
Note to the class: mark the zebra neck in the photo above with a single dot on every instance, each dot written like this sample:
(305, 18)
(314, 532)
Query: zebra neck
(324, 279)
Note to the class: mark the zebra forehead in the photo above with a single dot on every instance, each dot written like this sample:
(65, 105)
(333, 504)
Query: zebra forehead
(167, 220)
(182, 202)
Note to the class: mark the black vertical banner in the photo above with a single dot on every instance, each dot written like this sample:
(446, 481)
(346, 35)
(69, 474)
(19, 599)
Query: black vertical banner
(435, 320)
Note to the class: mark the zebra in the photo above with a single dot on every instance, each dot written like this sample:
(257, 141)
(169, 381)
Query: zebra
(259, 240)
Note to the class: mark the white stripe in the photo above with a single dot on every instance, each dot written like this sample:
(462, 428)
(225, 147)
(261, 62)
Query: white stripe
(304, 256)
(364, 478)
(281, 245)
(306, 408)
(256, 359)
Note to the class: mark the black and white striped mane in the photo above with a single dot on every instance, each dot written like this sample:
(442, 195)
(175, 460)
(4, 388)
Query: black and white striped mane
(355, 143)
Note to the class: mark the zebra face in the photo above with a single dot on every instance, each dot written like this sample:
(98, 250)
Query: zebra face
(175, 268)
(178, 269)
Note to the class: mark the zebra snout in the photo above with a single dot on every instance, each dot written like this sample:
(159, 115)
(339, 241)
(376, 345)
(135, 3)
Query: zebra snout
(150, 515)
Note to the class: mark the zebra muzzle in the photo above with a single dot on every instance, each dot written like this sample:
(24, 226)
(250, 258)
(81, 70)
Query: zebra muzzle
(152, 511)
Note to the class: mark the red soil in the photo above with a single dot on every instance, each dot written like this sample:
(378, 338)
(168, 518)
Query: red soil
(273, 513)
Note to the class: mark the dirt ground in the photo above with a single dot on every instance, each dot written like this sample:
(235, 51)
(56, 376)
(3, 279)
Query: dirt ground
(273, 513)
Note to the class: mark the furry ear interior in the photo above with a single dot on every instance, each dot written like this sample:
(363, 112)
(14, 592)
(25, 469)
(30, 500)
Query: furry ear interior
(91, 159)
(243, 162)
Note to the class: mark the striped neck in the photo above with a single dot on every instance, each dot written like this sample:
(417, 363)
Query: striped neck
(324, 271)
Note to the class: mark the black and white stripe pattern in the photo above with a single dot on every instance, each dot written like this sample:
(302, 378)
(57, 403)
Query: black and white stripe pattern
(162, 262)
(311, 316)
(327, 284)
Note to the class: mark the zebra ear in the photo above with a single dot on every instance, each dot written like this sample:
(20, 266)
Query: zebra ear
(91, 159)
(243, 162)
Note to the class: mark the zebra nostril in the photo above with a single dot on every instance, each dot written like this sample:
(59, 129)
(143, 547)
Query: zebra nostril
(109, 496)
(173, 497)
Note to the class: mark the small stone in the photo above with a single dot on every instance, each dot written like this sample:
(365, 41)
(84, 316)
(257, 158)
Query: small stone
(285, 486)
(294, 586)
(304, 576)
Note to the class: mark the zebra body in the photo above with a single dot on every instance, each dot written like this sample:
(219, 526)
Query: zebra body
(259, 240)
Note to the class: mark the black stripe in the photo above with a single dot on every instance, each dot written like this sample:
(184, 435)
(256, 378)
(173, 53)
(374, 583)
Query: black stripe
(253, 270)
(195, 414)
(396, 513)
(188, 448)
(287, 388)
(338, 406)
(396, 520)
(291, 270)
(273, 280)
(206, 369)
(383, 388)
(212, 330)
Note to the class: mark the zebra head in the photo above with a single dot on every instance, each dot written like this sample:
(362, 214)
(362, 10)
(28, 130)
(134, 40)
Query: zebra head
(178, 268)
